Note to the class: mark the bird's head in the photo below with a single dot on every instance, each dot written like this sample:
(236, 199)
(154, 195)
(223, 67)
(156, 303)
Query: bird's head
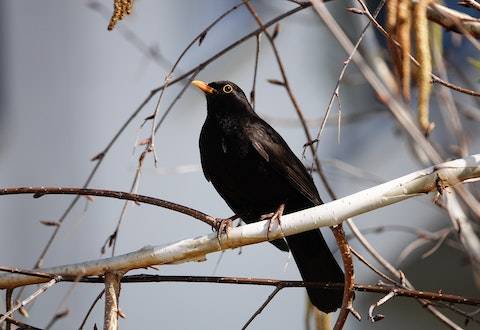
(223, 96)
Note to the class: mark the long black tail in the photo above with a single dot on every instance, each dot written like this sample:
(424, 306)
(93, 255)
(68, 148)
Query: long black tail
(317, 264)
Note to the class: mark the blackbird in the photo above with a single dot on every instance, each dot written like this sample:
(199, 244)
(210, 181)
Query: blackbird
(256, 173)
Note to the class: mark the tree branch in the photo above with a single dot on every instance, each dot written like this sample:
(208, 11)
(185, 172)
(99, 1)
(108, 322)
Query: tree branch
(41, 191)
(330, 214)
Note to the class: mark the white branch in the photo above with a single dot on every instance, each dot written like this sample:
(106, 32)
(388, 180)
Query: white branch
(112, 293)
(330, 214)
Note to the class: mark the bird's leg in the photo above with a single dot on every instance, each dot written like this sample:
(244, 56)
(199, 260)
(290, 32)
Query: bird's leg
(274, 217)
(223, 225)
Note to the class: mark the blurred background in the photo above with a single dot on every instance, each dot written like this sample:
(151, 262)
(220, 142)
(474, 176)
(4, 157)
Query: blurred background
(66, 87)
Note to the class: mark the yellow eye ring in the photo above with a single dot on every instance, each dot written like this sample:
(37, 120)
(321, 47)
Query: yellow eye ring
(227, 89)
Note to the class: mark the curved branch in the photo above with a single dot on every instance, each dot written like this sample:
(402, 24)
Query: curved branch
(41, 191)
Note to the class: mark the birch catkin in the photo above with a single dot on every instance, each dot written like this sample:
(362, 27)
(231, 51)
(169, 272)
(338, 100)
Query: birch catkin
(404, 24)
(425, 61)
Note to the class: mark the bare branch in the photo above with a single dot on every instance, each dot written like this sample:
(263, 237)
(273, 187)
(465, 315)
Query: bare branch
(262, 307)
(329, 214)
(90, 309)
(378, 317)
(41, 191)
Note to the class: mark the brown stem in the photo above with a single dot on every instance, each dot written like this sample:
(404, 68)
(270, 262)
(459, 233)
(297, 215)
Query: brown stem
(41, 191)
(90, 309)
(262, 307)
(8, 304)
(380, 289)
(349, 277)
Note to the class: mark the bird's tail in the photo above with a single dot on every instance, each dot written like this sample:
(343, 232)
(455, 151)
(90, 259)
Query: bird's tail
(317, 264)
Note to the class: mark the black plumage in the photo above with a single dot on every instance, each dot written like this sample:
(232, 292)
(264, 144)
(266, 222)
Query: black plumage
(254, 170)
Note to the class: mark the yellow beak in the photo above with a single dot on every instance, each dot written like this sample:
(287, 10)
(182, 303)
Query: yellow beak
(203, 86)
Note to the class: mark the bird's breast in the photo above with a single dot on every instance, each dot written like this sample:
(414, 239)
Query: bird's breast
(240, 175)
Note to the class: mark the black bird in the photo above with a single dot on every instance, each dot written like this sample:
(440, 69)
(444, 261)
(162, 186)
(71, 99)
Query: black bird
(256, 173)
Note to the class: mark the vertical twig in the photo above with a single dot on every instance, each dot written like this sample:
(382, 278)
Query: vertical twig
(336, 92)
(112, 293)
(255, 71)
(291, 95)
(8, 304)
(349, 276)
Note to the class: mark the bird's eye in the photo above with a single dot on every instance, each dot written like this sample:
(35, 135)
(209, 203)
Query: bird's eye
(227, 89)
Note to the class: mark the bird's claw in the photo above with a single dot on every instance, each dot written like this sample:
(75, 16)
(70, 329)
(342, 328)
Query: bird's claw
(222, 226)
(274, 217)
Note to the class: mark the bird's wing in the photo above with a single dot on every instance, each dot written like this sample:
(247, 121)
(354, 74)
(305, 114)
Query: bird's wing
(273, 148)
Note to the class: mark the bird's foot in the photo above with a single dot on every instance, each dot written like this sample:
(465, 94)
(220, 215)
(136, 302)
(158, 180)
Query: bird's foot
(274, 217)
(223, 226)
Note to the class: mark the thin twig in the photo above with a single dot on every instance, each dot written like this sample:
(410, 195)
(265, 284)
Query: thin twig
(8, 306)
(378, 317)
(21, 325)
(262, 307)
(336, 90)
(99, 160)
(113, 239)
(41, 191)
(15, 270)
(150, 52)
(33, 296)
(290, 93)
(369, 288)
(90, 309)
(58, 316)
(255, 71)
(374, 269)
(200, 37)
(438, 238)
